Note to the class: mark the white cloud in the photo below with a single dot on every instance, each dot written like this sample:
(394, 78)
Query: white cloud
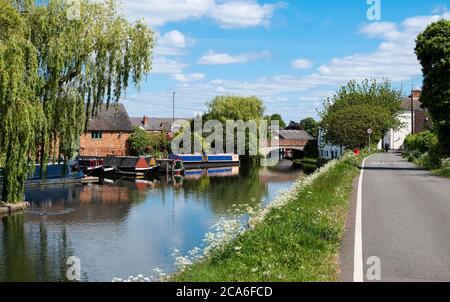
(245, 13)
(301, 64)
(227, 13)
(212, 58)
(185, 78)
(394, 58)
(173, 43)
(388, 30)
(162, 65)
(159, 12)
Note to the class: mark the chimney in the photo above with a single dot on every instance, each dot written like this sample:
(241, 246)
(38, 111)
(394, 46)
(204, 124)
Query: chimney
(145, 121)
(416, 93)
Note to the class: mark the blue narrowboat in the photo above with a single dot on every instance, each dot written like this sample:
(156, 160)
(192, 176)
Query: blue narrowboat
(198, 161)
(55, 174)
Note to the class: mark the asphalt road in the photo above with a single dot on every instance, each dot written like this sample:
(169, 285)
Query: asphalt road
(405, 223)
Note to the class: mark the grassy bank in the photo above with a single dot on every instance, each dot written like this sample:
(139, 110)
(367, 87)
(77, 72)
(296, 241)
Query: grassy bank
(298, 240)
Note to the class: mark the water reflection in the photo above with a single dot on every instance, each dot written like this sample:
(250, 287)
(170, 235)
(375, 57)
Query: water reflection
(31, 251)
(124, 227)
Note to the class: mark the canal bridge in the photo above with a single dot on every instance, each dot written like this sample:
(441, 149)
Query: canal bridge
(286, 139)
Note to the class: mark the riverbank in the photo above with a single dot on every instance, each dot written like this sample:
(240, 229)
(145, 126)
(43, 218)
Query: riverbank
(8, 208)
(296, 239)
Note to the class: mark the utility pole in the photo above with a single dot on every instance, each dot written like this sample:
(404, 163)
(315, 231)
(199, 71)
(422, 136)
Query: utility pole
(173, 108)
(412, 110)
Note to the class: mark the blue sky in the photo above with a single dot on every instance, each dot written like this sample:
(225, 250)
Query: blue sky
(291, 54)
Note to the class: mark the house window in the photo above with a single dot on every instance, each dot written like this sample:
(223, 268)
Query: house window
(96, 135)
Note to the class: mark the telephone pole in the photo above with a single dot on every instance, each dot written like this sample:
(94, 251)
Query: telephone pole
(173, 108)
(412, 109)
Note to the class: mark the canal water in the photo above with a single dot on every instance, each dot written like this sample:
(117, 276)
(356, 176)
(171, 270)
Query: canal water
(123, 227)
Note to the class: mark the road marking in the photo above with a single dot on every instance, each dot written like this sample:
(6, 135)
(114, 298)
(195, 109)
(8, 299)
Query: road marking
(358, 266)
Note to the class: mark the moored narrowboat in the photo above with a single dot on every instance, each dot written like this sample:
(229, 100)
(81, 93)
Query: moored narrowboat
(90, 165)
(54, 174)
(197, 161)
(129, 165)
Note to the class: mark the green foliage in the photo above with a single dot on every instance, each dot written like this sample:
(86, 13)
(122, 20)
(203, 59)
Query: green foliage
(421, 142)
(142, 142)
(311, 149)
(276, 117)
(159, 145)
(433, 52)
(357, 107)
(235, 108)
(348, 126)
(424, 149)
(445, 167)
(139, 141)
(309, 165)
(54, 71)
(311, 126)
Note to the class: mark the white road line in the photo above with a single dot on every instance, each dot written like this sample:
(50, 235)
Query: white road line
(358, 266)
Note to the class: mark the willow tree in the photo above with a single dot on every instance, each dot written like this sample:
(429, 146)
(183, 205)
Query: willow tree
(57, 67)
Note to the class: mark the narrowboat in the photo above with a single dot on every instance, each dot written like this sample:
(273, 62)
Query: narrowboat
(129, 165)
(55, 174)
(197, 161)
(90, 165)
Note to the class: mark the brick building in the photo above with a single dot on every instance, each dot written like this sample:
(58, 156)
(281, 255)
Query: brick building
(107, 133)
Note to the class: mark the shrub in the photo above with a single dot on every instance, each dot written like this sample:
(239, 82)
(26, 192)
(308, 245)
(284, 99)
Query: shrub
(419, 143)
(424, 148)
(445, 167)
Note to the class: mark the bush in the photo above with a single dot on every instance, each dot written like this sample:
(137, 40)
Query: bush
(309, 165)
(424, 149)
(445, 167)
(420, 143)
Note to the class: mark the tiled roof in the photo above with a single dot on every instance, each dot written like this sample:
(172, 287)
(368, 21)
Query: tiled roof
(154, 123)
(406, 104)
(294, 134)
(115, 118)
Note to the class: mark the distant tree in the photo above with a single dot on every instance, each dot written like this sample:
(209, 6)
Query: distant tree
(433, 52)
(277, 117)
(348, 125)
(139, 141)
(237, 108)
(294, 126)
(358, 106)
(159, 145)
(311, 126)
(224, 108)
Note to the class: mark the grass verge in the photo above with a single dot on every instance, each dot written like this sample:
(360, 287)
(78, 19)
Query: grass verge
(298, 241)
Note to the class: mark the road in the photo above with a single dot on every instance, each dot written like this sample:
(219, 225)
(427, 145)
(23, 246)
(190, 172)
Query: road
(404, 223)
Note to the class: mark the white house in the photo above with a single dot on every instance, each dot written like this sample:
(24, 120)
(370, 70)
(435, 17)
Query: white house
(413, 121)
(327, 150)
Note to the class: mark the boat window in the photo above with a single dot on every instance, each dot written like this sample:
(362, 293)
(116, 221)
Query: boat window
(96, 134)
